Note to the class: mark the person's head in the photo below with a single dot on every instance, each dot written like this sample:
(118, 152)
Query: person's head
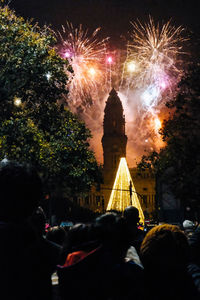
(20, 191)
(131, 215)
(77, 237)
(164, 248)
(111, 232)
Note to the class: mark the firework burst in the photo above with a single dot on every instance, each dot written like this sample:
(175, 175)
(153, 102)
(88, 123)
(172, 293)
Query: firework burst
(153, 63)
(86, 54)
(151, 72)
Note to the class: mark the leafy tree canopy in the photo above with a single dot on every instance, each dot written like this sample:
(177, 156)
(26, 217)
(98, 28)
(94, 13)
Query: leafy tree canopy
(30, 69)
(36, 129)
(61, 154)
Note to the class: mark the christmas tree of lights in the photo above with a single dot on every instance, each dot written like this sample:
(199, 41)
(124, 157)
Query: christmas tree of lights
(123, 192)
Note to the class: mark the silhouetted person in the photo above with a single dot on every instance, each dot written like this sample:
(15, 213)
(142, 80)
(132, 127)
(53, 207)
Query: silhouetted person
(102, 273)
(136, 235)
(26, 259)
(165, 257)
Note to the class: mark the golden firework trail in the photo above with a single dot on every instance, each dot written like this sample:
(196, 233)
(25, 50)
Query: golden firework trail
(155, 49)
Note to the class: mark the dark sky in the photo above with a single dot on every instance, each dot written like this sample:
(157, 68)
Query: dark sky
(113, 16)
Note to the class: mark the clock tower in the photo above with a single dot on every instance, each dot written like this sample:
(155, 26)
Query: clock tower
(114, 139)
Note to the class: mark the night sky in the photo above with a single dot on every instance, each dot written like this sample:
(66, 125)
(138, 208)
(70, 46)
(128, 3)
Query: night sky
(113, 16)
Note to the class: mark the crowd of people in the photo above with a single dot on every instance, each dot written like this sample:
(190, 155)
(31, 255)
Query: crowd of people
(108, 259)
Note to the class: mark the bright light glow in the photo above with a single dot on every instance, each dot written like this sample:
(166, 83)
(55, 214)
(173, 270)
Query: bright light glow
(17, 101)
(92, 71)
(158, 124)
(150, 95)
(163, 84)
(131, 66)
(120, 195)
(67, 54)
(109, 59)
(48, 75)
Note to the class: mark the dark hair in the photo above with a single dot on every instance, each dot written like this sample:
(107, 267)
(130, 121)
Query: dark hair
(111, 231)
(164, 247)
(20, 191)
(131, 214)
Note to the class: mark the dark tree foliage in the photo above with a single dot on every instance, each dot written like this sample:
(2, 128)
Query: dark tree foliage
(30, 69)
(38, 130)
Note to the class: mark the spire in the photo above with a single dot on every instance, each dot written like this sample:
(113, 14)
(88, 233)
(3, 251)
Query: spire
(114, 101)
(113, 93)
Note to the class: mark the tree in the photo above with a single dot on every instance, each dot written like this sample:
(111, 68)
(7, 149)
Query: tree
(37, 129)
(61, 154)
(181, 132)
(30, 69)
